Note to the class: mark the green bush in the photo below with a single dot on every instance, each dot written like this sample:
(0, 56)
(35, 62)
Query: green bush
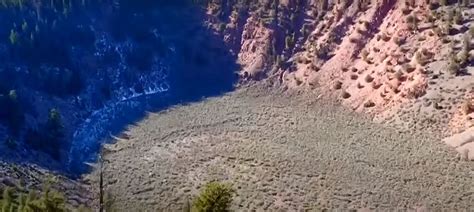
(48, 201)
(215, 197)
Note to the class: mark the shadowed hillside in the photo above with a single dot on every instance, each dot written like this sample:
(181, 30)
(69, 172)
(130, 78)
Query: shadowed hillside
(74, 72)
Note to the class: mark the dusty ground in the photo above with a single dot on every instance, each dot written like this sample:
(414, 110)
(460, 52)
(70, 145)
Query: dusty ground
(283, 153)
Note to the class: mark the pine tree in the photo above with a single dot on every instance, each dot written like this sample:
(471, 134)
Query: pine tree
(54, 123)
(53, 134)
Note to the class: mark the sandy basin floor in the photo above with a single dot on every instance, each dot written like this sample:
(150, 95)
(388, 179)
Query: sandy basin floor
(283, 152)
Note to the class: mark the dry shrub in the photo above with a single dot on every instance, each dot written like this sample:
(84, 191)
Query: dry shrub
(337, 85)
(417, 90)
(407, 68)
(406, 10)
(369, 103)
(398, 75)
(376, 85)
(431, 33)
(364, 55)
(368, 78)
(364, 27)
(398, 40)
(385, 37)
(454, 68)
(361, 30)
(463, 57)
(412, 22)
(421, 58)
(345, 95)
(353, 39)
(354, 76)
(467, 107)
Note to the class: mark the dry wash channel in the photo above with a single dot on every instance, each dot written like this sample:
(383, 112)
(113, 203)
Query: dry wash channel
(282, 152)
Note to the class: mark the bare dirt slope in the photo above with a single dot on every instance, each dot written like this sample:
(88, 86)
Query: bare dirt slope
(284, 153)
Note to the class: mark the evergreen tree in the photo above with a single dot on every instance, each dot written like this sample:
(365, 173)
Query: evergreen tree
(54, 124)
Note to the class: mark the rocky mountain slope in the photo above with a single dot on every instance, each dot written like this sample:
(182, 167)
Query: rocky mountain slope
(407, 63)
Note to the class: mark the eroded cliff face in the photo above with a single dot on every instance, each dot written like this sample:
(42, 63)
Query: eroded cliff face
(400, 61)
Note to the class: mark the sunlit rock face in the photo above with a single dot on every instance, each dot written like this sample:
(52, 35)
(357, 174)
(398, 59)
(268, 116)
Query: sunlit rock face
(103, 65)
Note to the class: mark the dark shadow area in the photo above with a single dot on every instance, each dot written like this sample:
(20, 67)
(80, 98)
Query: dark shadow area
(115, 62)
